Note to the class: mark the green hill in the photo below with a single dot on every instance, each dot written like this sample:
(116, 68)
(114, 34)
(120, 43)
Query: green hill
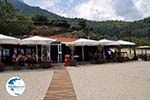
(137, 31)
(30, 11)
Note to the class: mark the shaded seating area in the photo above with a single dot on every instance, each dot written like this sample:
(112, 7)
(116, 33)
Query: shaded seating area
(43, 59)
(37, 51)
(89, 53)
(109, 50)
(127, 50)
(5, 53)
(144, 53)
(117, 51)
(31, 52)
(102, 51)
(85, 45)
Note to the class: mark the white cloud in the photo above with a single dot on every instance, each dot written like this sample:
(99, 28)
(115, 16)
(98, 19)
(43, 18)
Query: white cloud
(143, 6)
(56, 6)
(45, 4)
(126, 9)
(95, 10)
(112, 10)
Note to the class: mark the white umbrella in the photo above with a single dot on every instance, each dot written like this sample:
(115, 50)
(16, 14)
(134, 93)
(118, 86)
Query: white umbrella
(85, 42)
(106, 42)
(37, 40)
(8, 39)
(122, 42)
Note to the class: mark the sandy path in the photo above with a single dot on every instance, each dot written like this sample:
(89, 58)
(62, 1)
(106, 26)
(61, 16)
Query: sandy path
(123, 81)
(36, 81)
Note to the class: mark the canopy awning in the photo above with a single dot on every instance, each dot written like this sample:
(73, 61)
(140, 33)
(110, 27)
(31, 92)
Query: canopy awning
(37, 40)
(85, 42)
(126, 43)
(8, 39)
(106, 42)
(143, 47)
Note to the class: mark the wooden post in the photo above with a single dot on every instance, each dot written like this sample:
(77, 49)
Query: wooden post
(83, 53)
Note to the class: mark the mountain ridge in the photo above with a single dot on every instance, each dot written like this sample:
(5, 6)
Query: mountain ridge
(31, 10)
(111, 29)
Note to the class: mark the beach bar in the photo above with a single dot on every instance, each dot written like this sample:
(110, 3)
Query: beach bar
(145, 53)
(56, 48)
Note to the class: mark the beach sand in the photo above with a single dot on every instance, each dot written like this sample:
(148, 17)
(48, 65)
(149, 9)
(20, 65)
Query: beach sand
(112, 81)
(36, 83)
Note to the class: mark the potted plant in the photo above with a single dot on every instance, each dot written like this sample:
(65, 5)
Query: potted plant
(72, 61)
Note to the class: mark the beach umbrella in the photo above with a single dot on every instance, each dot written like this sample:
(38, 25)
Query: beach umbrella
(8, 39)
(37, 40)
(85, 42)
(126, 43)
(106, 42)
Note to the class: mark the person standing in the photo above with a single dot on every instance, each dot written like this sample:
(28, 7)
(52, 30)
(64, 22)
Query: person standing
(14, 60)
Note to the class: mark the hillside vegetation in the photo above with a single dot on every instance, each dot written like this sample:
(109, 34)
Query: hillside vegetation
(18, 19)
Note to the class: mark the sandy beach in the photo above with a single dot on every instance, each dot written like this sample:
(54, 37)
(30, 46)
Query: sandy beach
(111, 81)
(36, 82)
(117, 81)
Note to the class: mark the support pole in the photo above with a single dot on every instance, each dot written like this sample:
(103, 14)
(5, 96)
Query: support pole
(58, 52)
(83, 53)
(37, 50)
(42, 52)
(1, 54)
(49, 51)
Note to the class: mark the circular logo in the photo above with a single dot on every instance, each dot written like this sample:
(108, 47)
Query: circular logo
(15, 86)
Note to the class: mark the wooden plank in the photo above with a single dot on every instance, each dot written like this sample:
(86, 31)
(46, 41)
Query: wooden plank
(61, 87)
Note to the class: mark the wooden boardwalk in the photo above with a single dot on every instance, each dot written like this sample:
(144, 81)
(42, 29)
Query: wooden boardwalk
(61, 87)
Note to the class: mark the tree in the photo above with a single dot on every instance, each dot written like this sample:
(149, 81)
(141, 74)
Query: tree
(60, 23)
(7, 14)
(40, 19)
(7, 10)
(64, 23)
(148, 33)
(12, 22)
(82, 24)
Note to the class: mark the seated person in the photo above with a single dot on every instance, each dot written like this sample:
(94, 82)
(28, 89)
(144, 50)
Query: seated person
(14, 59)
(20, 59)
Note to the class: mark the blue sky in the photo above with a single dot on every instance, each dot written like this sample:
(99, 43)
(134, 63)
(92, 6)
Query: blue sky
(96, 9)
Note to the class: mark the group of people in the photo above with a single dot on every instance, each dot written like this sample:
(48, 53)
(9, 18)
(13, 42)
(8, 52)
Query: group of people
(106, 54)
(21, 58)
